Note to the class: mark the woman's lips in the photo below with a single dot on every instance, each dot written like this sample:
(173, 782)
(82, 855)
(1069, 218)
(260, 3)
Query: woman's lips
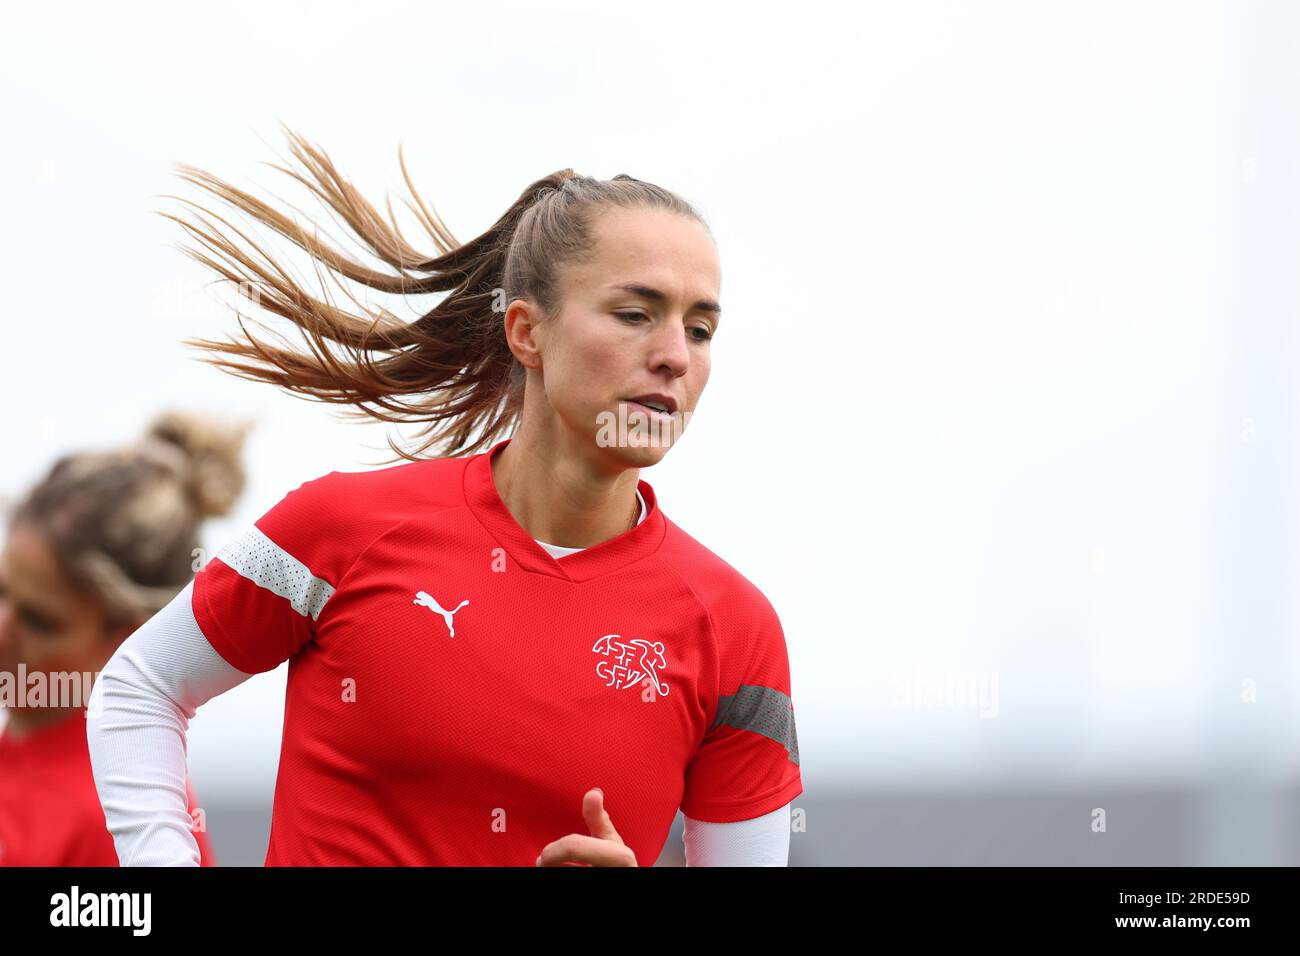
(647, 410)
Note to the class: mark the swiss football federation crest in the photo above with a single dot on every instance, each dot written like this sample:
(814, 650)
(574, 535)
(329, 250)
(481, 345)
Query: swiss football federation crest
(628, 663)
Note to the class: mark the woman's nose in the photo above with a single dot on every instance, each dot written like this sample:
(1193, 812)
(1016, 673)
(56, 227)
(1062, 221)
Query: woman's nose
(673, 350)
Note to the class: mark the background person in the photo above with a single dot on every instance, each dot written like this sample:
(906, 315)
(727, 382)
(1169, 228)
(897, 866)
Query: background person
(92, 551)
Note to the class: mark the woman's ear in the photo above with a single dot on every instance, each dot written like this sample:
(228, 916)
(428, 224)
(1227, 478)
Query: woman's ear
(521, 327)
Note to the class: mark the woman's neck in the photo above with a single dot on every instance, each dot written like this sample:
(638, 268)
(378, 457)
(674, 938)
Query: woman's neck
(564, 499)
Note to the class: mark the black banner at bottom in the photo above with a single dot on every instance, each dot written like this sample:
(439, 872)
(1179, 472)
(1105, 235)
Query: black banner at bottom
(234, 905)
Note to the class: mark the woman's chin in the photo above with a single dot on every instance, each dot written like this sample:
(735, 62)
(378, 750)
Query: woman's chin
(641, 439)
(641, 452)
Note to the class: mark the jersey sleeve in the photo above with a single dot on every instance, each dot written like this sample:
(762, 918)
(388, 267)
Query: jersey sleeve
(258, 599)
(747, 764)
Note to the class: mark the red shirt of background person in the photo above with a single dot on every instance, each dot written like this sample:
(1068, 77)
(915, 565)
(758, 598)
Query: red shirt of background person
(92, 551)
(49, 809)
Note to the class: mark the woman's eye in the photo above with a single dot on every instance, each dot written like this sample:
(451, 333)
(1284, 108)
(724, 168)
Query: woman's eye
(703, 334)
(37, 623)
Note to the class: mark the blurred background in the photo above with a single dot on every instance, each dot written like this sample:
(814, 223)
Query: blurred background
(1012, 288)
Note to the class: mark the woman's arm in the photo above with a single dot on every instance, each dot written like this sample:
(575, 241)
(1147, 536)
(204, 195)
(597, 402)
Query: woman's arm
(762, 841)
(139, 710)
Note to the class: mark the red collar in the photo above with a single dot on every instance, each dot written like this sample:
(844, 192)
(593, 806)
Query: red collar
(618, 552)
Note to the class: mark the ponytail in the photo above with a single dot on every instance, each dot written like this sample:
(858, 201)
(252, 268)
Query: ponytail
(451, 369)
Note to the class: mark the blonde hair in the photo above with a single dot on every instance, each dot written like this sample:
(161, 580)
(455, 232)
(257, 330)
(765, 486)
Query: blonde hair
(124, 523)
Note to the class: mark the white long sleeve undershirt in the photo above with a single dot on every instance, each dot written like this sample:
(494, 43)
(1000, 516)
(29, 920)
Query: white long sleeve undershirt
(139, 712)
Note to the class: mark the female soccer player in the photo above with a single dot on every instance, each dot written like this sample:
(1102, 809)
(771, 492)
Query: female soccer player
(102, 542)
(510, 657)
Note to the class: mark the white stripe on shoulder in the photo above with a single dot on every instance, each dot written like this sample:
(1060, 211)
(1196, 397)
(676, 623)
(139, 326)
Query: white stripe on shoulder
(262, 561)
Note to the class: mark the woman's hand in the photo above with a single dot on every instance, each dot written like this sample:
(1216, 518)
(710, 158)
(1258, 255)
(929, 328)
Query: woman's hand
(603, 848)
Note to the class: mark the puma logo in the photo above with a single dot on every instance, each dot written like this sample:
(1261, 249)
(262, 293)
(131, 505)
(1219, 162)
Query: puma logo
(423, 598)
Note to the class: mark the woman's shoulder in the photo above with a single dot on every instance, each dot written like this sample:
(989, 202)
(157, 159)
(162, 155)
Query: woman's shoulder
(327, 520)
(427, 478)
(717, 583)
(378, 493)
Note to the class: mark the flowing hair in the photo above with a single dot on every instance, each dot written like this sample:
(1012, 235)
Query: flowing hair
(450, 368)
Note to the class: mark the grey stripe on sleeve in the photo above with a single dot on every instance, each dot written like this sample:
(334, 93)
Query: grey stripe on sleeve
(266, 564)
(763, 710)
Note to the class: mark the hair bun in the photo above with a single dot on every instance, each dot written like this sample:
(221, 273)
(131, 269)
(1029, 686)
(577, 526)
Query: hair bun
(213, 450)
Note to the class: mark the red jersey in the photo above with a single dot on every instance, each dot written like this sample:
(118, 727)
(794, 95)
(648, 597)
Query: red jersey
(50, 813)
(454, 690)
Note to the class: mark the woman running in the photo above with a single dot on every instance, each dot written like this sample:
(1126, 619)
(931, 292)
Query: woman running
(100, 544)
(506, 656)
